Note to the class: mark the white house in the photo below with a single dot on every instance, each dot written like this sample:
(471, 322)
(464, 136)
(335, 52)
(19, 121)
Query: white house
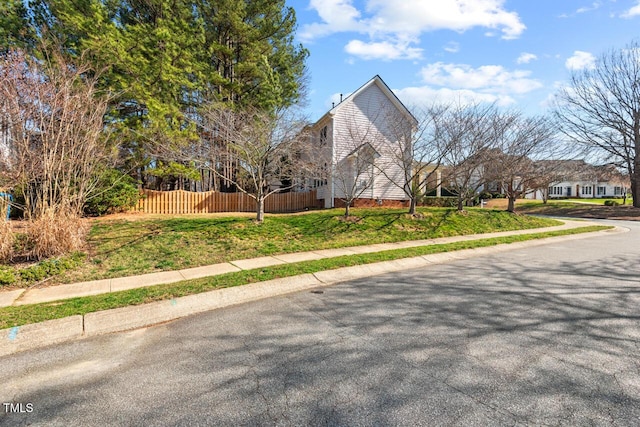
(360, 144)
(578, 179)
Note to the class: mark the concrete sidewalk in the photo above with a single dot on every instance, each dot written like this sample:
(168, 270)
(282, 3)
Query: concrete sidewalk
(30, 336)
(96, 287)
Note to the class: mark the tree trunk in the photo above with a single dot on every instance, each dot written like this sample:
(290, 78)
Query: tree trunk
(460, 204)
(511, 207)
(412, 206)
(346, 209)
(260, 209)
(635, 188)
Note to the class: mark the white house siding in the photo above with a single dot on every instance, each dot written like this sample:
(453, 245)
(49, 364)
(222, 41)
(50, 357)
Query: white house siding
(586, 190)
(323, 155)
(360, 120)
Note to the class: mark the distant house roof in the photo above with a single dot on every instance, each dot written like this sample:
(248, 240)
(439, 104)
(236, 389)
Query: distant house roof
(580, 170)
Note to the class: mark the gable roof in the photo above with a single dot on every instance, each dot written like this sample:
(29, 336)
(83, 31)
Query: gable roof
(376, 80)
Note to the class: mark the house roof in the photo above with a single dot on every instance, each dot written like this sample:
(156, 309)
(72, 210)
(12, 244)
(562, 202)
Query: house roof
(376, 80)
(580, 170)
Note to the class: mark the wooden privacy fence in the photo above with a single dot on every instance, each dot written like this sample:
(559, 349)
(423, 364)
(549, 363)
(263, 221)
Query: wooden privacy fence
(186, 202)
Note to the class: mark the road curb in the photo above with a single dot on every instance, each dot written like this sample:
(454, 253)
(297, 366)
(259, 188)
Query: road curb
(133, 317)
(27, 337)
(50, 332)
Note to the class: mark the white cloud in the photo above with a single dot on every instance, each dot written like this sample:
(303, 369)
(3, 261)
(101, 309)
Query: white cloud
(526, 57)
(337, 16)
(387, 22)
(417, 16)
(633, 12)
(584, 9)
(426, 95)
(595, 5)
(382, 50)
(580, 60)
(452, 47)
(487, 78)
(463, 83)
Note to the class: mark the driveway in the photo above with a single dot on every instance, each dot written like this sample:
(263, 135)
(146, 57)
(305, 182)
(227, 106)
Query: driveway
(547, 335)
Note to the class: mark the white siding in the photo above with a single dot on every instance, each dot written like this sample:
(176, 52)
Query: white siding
(361, 120)
(562, 189)
(324, 155)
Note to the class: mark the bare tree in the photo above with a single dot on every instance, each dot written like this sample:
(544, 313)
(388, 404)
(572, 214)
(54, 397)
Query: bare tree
(272, 150)
(466, 132)
(547, 173)
(519, 142)
(601, 108)
(415, 148)
(55, 141)
(56, 132)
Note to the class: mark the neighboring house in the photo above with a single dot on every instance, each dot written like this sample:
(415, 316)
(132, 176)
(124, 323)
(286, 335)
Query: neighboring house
(358, 146)
(578, 179)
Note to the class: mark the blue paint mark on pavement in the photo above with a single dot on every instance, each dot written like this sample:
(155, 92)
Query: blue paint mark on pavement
(174, 302)
(13, 333)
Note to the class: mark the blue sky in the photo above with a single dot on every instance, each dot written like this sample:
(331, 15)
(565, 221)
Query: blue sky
(515, 53)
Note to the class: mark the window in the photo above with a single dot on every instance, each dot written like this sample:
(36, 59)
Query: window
(587, 190)
(555, 191)
(617, 191)
(602, 191)
(323, 136)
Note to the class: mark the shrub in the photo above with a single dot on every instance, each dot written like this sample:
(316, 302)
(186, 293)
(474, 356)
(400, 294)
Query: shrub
(6, 276)
(611, 203)
(51, 267)
(115, 192)
(7, 240)
(55, 234)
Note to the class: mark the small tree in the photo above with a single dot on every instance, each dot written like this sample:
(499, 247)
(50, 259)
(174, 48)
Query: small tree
(272, 150)
(518, 142)
(355, 174)
(55, 141)
(415, 148)
(547, 173)
(56, 134)
(466, 132)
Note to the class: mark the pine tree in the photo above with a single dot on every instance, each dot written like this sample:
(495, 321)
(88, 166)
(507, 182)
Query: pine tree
(161, 59)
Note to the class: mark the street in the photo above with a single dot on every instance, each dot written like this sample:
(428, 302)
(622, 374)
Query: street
(547, 335)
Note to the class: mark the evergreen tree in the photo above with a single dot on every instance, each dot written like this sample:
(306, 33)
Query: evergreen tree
(161, 59)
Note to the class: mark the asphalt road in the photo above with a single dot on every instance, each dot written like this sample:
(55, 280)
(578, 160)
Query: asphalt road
(542, 336)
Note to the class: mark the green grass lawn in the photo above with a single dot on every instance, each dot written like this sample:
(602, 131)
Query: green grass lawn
(122, 248)
(21, 315)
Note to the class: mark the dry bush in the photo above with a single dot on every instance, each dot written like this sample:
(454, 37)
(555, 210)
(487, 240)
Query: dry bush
(54, 234)
(7, 240)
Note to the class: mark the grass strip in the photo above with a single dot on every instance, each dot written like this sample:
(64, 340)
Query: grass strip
(21, 315)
